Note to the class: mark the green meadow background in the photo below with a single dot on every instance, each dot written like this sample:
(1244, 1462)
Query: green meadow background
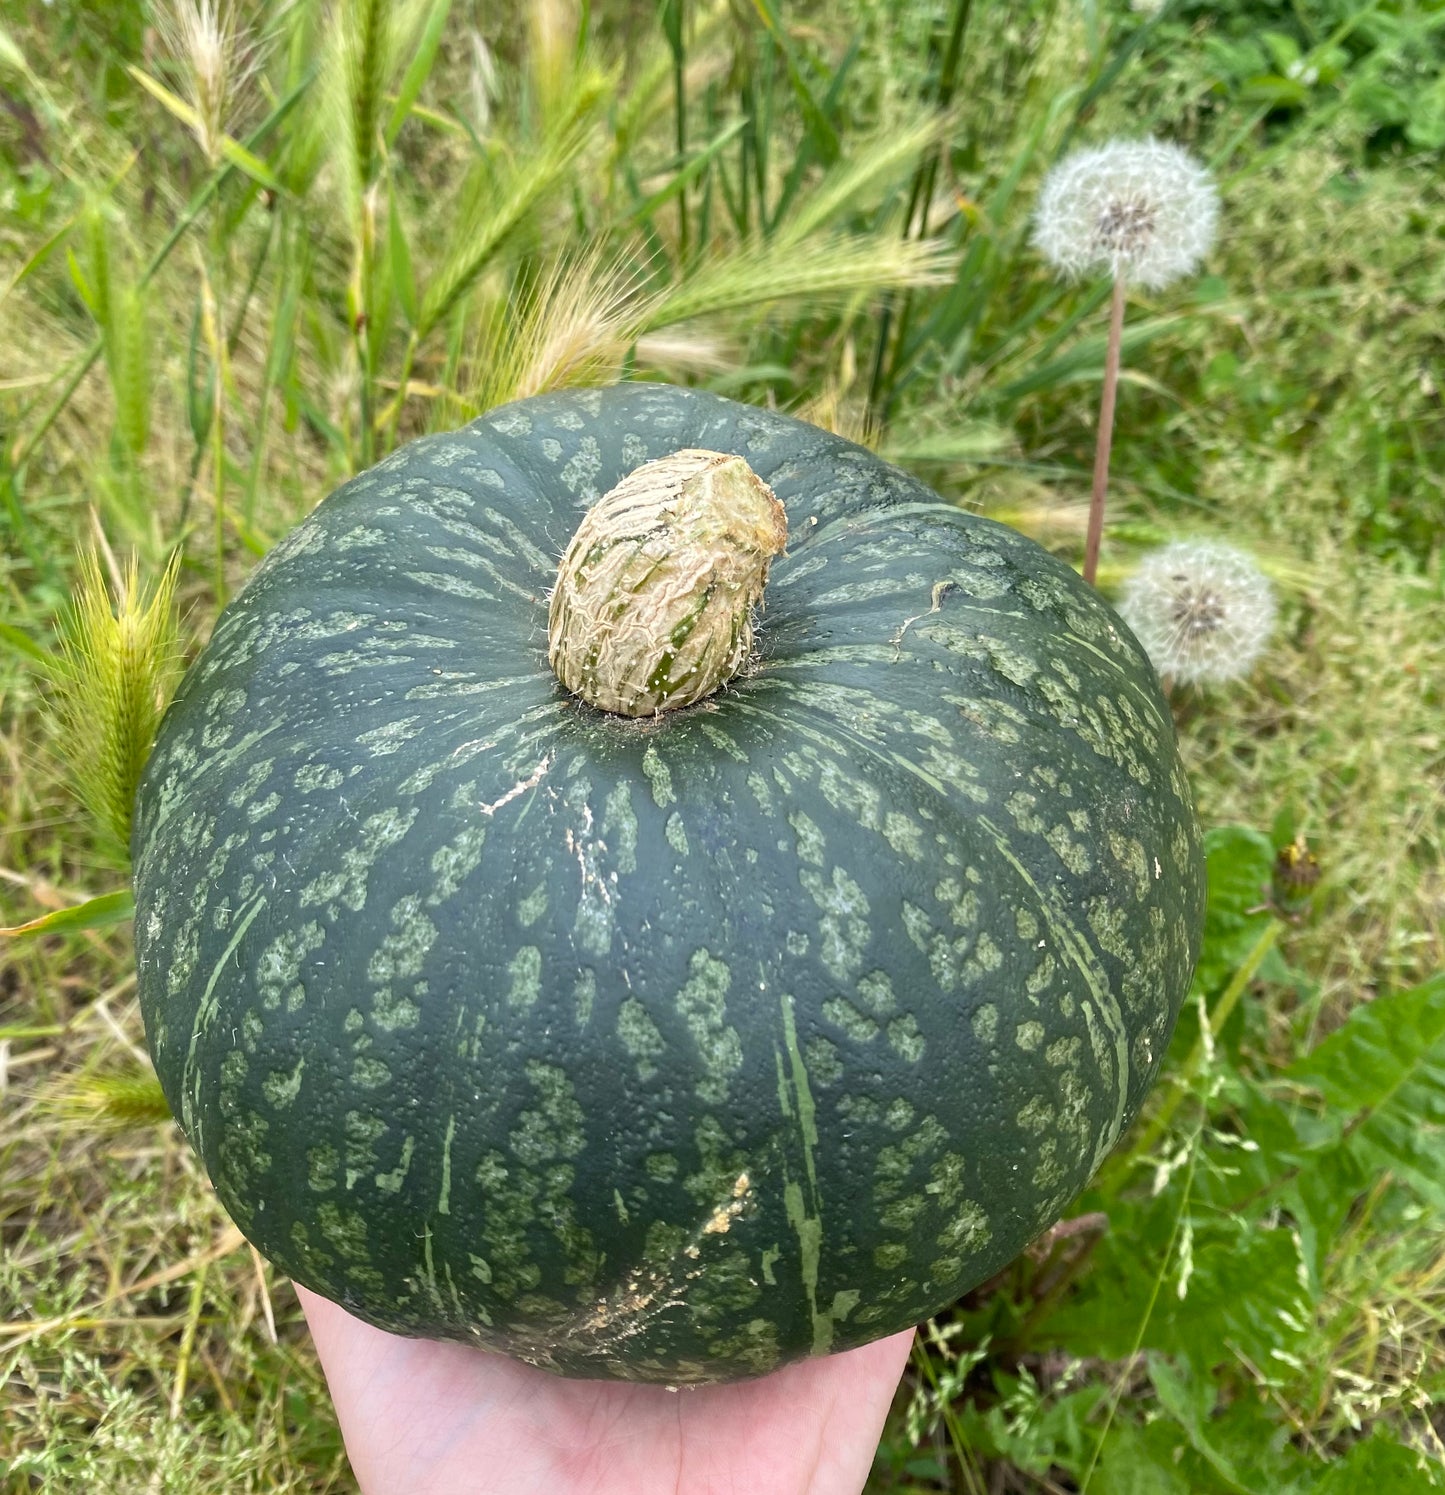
(242, 260)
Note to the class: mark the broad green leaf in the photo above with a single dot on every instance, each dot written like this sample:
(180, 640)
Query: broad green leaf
(1382, 1466)
(1238, 863)
(1141, 1461)
(1204, 1444)
(1241, 1290)
(1243, 1296)
(95, 913)
(1242, 1165)
(1190, 1401)
(1034, 1432)
(1385, 1070)
(1320, 1197)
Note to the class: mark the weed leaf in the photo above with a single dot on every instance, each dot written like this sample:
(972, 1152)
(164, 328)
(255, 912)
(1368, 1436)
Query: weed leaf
(1383, 1074)
(94, 913)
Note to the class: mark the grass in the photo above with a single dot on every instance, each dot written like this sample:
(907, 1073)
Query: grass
(207, 321)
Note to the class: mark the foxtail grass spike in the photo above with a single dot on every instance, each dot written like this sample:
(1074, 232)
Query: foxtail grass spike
(574, 328)
(215, 61)
(821, 268)
(110, 1104)
(117, 660)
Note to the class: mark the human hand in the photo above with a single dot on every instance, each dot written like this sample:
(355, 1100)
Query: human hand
(423, 1418)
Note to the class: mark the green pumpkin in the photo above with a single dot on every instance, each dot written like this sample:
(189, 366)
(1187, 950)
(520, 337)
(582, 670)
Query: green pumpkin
(671, 1048)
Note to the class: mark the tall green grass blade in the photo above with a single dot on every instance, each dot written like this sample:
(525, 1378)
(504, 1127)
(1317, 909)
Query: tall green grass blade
(241, 310)
(809, 153)
(403, 277)
(1084, 361)
(882, 387)
(970, 441)
(381, 298)
(200, 383)
(366, 31)
(37, 258)
(83, 287)
(670, 16)
(20, 642)
(96, 287)
(763, 138)
(10, 53)
(119, 311)
(24, 446)
(423, 56)
(639, 105)
(988, 261)
(1124, 54)
(821, 133)
(1001, 348)
(128, 354)
(555, 54)
(94, 913)
(688, 173)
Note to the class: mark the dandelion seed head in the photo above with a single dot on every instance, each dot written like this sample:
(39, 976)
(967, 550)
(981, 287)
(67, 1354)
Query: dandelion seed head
(1145, 210)
(1203, 611)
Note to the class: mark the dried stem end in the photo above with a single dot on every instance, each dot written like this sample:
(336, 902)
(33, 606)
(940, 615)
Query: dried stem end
(653, 607)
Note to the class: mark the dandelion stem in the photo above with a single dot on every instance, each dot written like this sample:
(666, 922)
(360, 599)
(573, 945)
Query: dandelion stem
(1106, 434)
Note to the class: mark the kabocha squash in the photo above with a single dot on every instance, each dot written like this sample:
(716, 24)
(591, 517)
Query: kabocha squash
(670, 1046)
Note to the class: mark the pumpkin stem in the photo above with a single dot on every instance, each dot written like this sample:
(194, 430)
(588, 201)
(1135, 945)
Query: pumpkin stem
(654, 598)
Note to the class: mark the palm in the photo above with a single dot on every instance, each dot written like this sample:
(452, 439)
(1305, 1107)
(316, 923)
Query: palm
(430, 1419)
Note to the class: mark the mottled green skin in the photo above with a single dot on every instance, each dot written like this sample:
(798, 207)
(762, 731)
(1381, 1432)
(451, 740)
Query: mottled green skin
(668, 1050)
